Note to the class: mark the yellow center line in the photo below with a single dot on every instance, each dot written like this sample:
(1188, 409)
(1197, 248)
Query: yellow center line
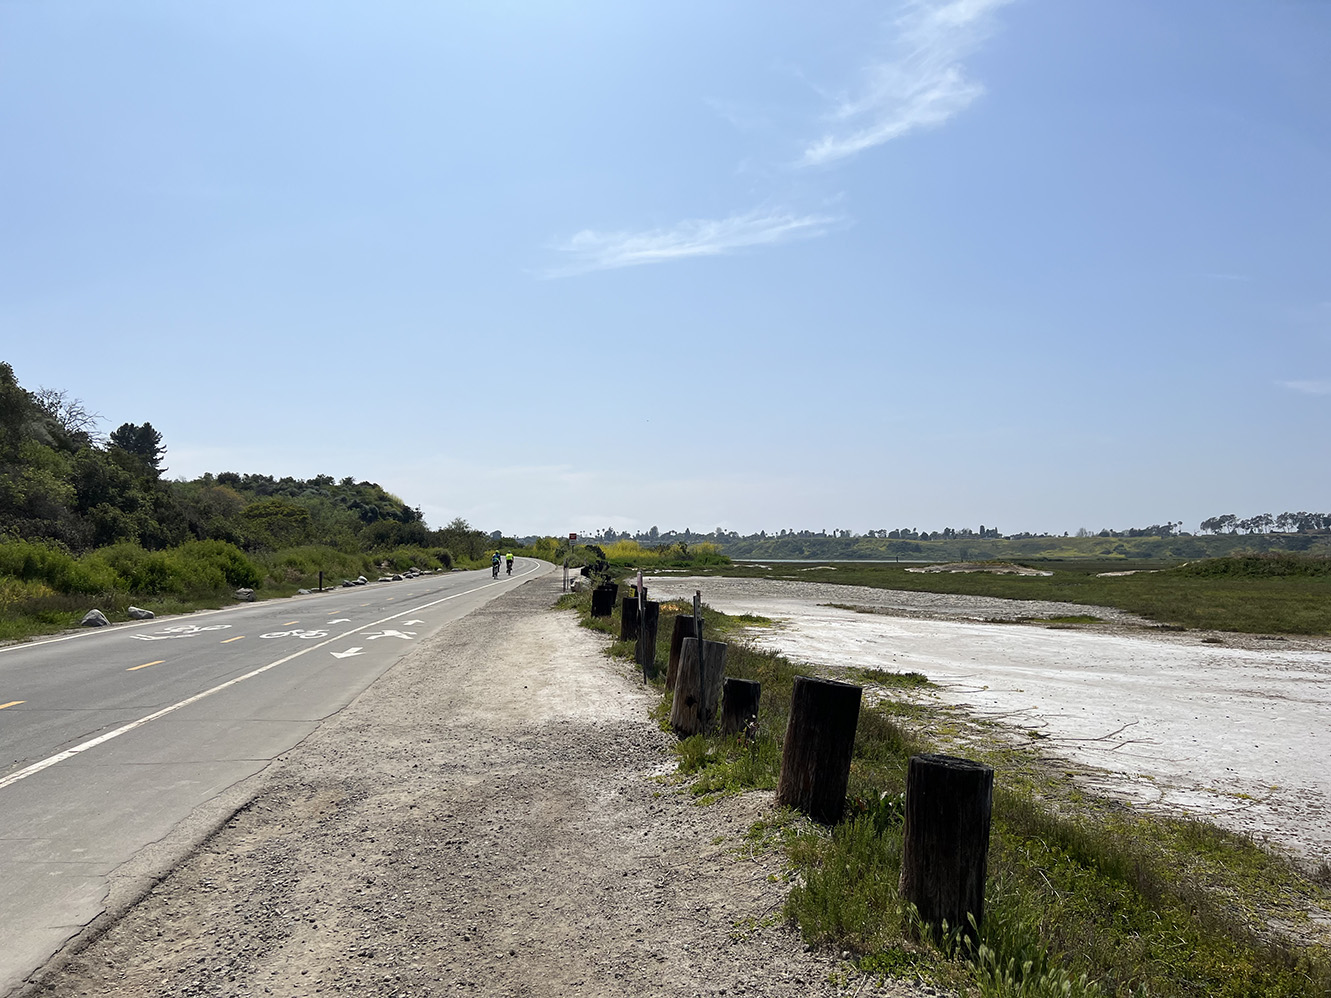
(236, 638)
(290, 622)
(12, 703)
(145, 665)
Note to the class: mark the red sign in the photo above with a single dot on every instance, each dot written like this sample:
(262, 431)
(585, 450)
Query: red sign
(573, 537)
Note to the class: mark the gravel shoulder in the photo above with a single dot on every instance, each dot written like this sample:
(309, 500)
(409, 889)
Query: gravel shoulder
(487, 818)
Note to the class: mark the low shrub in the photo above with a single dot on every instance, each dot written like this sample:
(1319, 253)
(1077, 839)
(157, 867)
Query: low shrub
(1257, 566)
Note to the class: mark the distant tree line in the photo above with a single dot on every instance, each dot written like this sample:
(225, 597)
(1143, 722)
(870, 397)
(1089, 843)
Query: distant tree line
(1263, 523)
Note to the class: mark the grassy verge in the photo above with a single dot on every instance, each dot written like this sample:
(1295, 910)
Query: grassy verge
(1085, 897)
(1260, 595)
(44, 588)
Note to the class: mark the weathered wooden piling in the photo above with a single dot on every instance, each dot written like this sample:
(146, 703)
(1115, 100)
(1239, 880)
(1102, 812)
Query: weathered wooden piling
(645, 651)
(698, 686)
(815, 760)
(739, 704)
(603, 599)
(628, 618)
(945, 855)
(683, 628)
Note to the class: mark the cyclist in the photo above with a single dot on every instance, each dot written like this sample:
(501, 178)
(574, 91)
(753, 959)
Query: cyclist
(510, 563)
(494, 566)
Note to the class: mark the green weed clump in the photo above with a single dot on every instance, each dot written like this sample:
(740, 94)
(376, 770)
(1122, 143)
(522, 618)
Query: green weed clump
(1257, 566)
(300, 566)
(631, 554)
(196, 568)
(43, 587)
(402, 558)
(55, 567)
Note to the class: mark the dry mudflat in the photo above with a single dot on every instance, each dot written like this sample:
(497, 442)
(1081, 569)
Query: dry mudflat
(486, 819)
(1234, 728)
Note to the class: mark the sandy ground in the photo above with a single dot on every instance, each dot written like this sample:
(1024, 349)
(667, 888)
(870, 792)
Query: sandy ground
(1239, 734)
(485, 819)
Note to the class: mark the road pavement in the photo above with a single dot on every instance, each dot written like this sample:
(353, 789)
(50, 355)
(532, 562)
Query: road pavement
(111, 738)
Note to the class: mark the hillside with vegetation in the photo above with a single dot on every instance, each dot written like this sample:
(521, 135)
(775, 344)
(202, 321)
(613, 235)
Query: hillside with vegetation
(84, 516)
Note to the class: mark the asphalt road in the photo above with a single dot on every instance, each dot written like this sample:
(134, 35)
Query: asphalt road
(110, 738)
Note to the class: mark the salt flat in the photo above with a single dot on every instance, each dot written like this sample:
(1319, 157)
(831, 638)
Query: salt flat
(1240, 735)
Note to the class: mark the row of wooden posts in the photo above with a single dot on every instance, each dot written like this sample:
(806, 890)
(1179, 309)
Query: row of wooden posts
(948, 799)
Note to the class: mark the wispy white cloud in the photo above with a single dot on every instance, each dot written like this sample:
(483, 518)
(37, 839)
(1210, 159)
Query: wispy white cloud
(1322, 387)
(589, 250)
(920, 85)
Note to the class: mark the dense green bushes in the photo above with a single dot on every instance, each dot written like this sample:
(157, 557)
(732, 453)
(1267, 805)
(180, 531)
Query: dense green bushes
(198, 567)
(61, 572)
(1258, 566)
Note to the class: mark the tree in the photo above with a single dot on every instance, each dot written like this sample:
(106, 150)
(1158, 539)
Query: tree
(69, 414)
(143, 442)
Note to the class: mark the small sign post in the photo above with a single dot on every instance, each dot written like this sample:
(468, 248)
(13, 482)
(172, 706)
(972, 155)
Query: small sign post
(572, 539)
(697, 633)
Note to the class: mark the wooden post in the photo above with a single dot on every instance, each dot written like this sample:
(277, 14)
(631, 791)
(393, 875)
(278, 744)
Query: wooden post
(739, 705)
(713, 679)
(945, 853)
(321, 582)
(628, 618)
(683, 629)
(645, 652)
(640, 592)
(603, 600)
(820, 736)
(698, 686)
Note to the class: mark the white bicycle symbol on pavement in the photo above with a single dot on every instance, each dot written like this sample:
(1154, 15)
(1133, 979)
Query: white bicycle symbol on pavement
(298, 632)
(180, 631)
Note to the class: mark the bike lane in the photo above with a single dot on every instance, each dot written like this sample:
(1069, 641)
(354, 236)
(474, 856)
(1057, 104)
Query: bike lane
(74, 817)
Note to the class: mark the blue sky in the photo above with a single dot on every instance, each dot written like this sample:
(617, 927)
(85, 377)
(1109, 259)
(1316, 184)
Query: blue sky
(770, 265)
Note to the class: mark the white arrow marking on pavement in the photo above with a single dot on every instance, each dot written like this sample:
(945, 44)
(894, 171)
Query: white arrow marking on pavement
(101, 739)
(341, 620)
(404, 635)
(408, 623)
(350, 652)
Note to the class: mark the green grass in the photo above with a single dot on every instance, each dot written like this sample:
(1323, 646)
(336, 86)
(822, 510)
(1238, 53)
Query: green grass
(1275, 594)
(1085, 896)
(44, 588)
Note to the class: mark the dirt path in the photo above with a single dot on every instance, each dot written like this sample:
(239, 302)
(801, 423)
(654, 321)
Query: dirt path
(483, 820)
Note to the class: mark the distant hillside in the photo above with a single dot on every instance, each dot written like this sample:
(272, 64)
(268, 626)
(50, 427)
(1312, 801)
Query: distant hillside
(62, 482)
(1156, 541)
(1015, 549)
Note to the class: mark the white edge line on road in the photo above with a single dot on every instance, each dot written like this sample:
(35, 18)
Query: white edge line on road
(125, 625)
(37, 767)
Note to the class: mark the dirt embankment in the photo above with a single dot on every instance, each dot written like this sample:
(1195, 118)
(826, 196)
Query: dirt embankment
(482, 820)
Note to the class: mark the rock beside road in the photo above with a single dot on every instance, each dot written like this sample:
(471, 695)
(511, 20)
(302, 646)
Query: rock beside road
(94, 618)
